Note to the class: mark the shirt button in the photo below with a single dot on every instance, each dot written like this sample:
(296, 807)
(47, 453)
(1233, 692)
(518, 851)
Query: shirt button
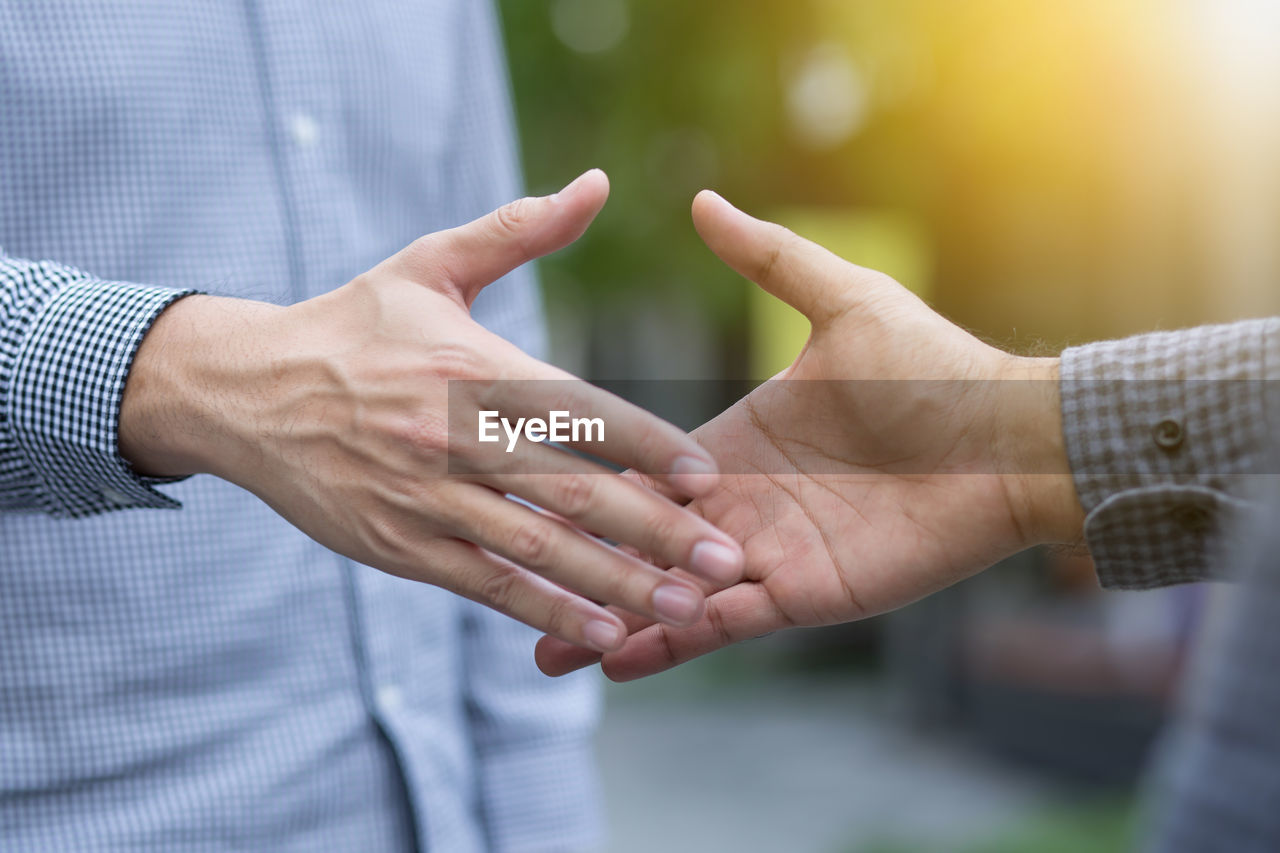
(304, 129)
(389, 698)
(1193, 519)
(1168, 435)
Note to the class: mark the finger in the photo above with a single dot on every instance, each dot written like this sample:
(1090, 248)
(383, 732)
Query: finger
(604, 425)
(655, 485)
(555, 657)
(593, 498)
(471, 572)
(482, 251)
(736, 614)
(797, 271)
(570, 558)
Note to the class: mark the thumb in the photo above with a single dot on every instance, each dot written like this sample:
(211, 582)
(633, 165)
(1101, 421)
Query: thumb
(801, 273)
(474, 255)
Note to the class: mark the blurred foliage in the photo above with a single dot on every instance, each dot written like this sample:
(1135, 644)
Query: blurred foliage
(688, 100)
(1046, 151)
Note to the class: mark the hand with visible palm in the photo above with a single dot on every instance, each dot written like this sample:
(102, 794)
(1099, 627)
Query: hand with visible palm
(897, 455)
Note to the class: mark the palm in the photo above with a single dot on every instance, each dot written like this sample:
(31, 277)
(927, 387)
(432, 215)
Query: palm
(843, 529)
(860, 479)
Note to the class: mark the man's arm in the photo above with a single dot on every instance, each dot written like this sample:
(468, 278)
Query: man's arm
(67, 343)
(899, 454)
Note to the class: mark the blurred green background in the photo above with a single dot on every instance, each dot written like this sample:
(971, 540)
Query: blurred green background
(1050, 172)
(1043, 173)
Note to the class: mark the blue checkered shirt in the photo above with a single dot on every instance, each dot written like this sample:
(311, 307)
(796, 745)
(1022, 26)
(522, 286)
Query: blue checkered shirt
(193, 673)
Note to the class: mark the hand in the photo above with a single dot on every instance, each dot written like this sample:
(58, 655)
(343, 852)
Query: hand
(897, 455)
(336, 412)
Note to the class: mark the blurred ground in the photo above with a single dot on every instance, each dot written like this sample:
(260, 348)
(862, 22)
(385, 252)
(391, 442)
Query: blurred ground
(797, 765)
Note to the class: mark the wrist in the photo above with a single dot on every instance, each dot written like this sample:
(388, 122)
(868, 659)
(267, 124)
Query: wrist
(1033, 456)
(187, 390)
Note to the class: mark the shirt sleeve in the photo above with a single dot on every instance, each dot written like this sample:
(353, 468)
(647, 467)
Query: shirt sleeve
(67, 340)
(1166, 434)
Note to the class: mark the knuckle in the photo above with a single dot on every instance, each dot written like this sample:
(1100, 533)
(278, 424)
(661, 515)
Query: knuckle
(574, 494)
(489, 390)
(531, 543)
(426, 433)
(558, 618)
(363, 282)
(378, 535)
(422, 260)
(456, 361)
(499, 590)
(514, 216)
(423, 247)
(410, 426)
(718, 626)
(663, 528)
(403, 429)
(665, 647)
(769, 262)
(781, 241)
(632, 584)
(568, 396)
(623, 586)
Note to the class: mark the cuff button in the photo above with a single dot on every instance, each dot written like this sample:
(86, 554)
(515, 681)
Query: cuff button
(1168, 435)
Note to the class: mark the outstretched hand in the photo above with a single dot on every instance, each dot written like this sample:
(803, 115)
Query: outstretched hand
(337, 413)
(897, 455)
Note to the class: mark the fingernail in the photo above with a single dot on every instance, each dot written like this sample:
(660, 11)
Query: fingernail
(716, 197)
(677, 605)
(716, 562)
(572, 185)
(693, 475)
(601, 635)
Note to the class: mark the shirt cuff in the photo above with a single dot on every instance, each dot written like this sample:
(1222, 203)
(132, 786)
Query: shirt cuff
(1163, 433)
(67, 382)
(542, 798)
